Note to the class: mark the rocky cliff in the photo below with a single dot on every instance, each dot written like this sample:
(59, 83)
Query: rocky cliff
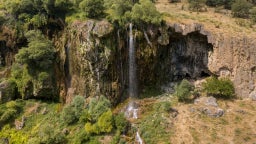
(92, 57)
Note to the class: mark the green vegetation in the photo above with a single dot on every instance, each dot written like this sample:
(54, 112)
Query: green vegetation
(241, 8)
(33, 68)
(196, 5)
(222, 88)
(154, 127)
(92, 8)
(184, 90)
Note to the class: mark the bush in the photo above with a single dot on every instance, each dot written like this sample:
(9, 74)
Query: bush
(72, 113)
(183, 90)
(241, 8)
(196, 5)
(98, 106)
(93, 8)
(222, 87)
(121, 123)
(105, 122)
(253, 15)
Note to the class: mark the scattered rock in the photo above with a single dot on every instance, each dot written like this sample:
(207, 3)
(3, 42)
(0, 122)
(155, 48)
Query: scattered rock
(20, 124)
(207, 101)
(253, 96)
(44, 111)
(174, 112)
(65, 131)
(208, 106)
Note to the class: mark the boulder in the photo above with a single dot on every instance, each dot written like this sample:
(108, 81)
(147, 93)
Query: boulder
(208, 106)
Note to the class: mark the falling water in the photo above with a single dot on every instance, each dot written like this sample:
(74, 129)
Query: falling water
(132, 109)
(132, 66)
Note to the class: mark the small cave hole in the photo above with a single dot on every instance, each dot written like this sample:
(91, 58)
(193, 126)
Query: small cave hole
(204, 74)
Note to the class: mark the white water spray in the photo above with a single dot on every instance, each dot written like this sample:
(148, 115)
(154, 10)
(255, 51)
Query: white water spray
(132, 109)
(132, 66)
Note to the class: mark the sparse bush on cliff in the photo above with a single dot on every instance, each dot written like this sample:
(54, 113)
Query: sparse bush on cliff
(222, 88)
(184, 90)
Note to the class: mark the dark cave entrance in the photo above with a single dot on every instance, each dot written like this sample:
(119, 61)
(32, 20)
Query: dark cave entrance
(185, 57)
(188, 57)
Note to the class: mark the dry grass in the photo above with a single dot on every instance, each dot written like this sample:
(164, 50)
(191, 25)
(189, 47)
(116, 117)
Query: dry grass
(236, 126)
(220, 22)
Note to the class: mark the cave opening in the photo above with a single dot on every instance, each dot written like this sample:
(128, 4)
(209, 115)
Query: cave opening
(185, 57)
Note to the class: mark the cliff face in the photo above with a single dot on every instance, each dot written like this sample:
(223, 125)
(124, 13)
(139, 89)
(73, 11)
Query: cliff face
(92, 58)
(95, 57)
(233, 56)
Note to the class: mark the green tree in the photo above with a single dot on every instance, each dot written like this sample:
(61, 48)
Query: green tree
(241, 8)
(222, 87)
(145, 12)
(183, 90)
(117, 10)
(39, 54)
(92, 8)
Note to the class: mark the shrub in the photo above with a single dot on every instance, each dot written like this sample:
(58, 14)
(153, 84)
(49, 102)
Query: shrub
(196, 5)
(93, 8)
(98, 106)
(68, 115)
(72, 112)
(222, 87)
(241, 8)
(105, 122)
(183, 90)
(120, 122)
(253, 15)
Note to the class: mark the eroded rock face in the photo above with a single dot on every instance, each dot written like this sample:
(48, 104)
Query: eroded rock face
(233, 56)
(93, 58)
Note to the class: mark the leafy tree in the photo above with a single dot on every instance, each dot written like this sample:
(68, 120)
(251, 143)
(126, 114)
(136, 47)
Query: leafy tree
(196, 5)
(183, 90)
(98, 106)
(39, 54)
(222, 87)
(117, 10)
(145, 12)
(92, 8)
(241, 8)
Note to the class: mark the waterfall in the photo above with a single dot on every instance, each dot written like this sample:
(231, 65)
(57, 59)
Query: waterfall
(132, 109)
(132, 66)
